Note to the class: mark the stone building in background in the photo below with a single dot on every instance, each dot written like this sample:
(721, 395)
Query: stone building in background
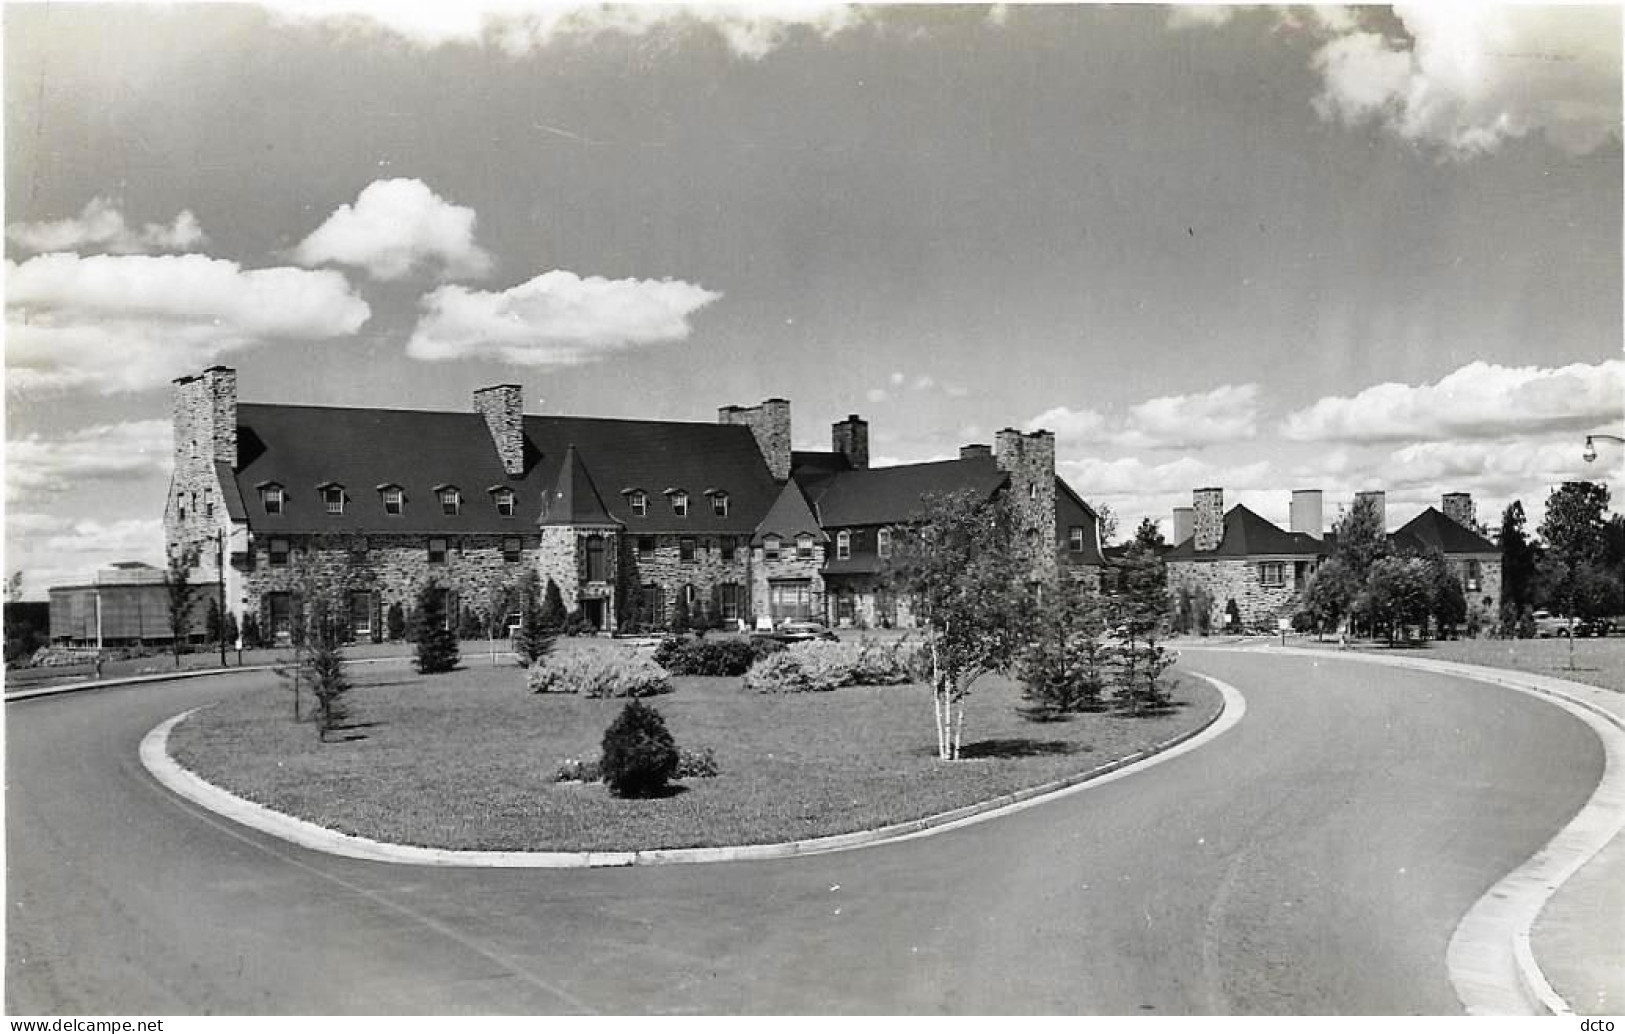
(625, 516)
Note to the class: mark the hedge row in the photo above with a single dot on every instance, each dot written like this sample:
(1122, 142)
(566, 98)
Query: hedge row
(818, 667)
(599, 673)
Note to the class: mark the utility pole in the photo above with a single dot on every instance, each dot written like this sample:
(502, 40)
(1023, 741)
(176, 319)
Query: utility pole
(220, 572)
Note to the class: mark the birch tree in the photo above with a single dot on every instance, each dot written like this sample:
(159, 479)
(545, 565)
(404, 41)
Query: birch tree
(959, 568)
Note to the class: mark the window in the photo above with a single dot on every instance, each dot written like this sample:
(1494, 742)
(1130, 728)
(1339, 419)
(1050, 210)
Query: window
(278, 554)
(804, 547)
(1074, 538)
(790, 600)
(843, 545)
(1474, 573)
(1032, 490)
(652, 604)
(1272, 575)
(504, 498)
(719, 504)
(640, 504)
(280, 605)
(727, 547)
(770, 547)
(394, 500)
(685, 550)
(180, 504)
(646, 547)
(679, 504)
(883, 543)
(597, 565)
(333, 498)
(437, 551)
(271, 498)
(511, 547)
(451, 501)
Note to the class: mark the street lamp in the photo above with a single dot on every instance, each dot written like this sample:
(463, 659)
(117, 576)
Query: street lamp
(1590, 454)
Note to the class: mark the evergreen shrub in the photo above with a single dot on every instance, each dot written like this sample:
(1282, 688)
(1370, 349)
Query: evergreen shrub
(639, 754)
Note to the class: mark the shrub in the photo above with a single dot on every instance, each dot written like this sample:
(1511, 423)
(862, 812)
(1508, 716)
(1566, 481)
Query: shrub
(575, 770)
(577, 624)
(252, 640)
(818, 667)
(437, 649)
(552, 614)
(713, 657)
(396, 622)
(696, 764)
(640, 755)
(599, 674)
(468, 625)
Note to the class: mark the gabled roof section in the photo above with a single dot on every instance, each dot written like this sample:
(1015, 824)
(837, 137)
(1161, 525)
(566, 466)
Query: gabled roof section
(416, 450)
(790, 516)
(574, 500)
(895, 495)
(1246, 534)
(230, 492)
(1070, 510)
(1431, 529)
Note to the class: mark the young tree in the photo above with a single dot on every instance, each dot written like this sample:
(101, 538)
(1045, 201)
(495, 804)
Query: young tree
(1576, 534)
(958, 566)
(323, 662)
(437, 649)
(553, 614)
(1148, 537)
(1400, 593)
(182, 595)
(536, 637)
(1518, 574)
(1108, 523)
(1447, 603)
(1361, 542)
(1329, 595)
(1065, 663)
(396, 620)
(1141, 614)
(682, 620)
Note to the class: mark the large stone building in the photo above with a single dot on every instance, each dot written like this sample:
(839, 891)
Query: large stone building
(1254, 573)
(625, 516)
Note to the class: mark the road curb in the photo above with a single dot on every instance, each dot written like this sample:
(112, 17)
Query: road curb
(155, 757)
(169, 676)
(1491, 955)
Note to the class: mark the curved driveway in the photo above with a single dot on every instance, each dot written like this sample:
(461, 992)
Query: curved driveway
(1314, 859)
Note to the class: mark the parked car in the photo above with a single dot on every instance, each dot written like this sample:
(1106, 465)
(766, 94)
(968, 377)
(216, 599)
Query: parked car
(1548, 624)
(1593, 626)
(798, 632)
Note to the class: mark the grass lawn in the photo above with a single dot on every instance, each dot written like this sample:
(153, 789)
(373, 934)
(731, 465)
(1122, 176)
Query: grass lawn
(1597, 661)
(466, 760)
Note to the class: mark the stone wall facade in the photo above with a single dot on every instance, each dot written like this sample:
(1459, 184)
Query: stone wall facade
(664, 566)
(1238, 580)
(1029, 460)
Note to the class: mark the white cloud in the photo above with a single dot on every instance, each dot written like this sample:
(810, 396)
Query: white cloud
(1472, 76)
(751, 31)
(127, 323)
(101, 227)
(555, 319)
(1071, 426)
(1206, 16)
(897, 378)
(395, 227)
(1478, 401)
(876, 395)
(79, 460)
(1131, 477)
(1228, 413)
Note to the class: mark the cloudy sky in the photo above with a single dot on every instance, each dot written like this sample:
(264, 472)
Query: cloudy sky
(1265, 248)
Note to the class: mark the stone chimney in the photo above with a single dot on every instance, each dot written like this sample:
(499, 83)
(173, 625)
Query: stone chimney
(1379, 501)
(850, 438)
(770, 424)
(1458, 506)
(205, 418)
(1208, 531)
(1308, 514)
(973, 452)
(503, 407)
(1029, 460)
(1184, 523)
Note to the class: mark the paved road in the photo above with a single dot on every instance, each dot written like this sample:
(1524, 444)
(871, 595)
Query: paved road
(1314, 859)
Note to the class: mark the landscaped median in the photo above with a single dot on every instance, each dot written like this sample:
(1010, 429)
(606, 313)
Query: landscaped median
(468, 761)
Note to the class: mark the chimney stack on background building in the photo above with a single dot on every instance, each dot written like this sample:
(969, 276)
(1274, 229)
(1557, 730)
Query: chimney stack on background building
(1458, 506)
(205, 417)
(770, 423)
(503, 406)
(1184, 523)
(971, 452)
(850, 438)
(1379, 501)
(1308, 514)
(1209, 526)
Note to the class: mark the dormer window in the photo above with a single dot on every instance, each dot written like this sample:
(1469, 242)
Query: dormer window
(843, 545)
(333, 498)
(639, 501)
(804, 547)
(271, 498)
(394, 499)
(770, 547)
(679, 504)
(719, 504)
(451, 500)
(505, 501)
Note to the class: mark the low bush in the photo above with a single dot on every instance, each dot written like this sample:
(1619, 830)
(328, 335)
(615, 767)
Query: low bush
(575, 770)
(818, 667)
(696, 764)
(599, 673)
(713, 657)
(640, 756)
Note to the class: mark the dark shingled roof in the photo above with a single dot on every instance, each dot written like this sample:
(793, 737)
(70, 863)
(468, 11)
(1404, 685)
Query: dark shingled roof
(301, 447)
(789, 517)
(574, 499)
(893, 495)
(1246, 534)
(1431, 529)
